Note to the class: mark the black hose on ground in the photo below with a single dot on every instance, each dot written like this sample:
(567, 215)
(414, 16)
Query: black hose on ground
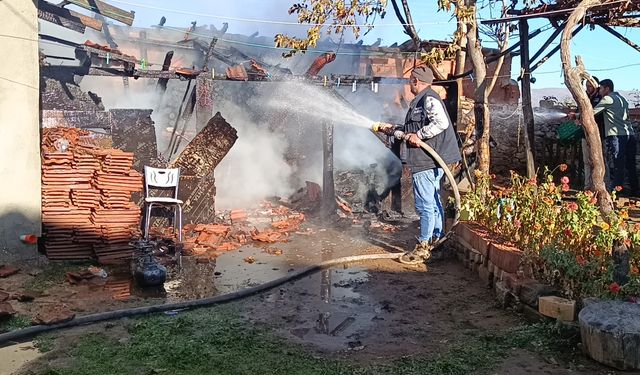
(225, 298)
(210, 301)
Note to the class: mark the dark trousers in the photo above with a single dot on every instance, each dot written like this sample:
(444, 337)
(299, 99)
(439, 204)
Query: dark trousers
(621, 158)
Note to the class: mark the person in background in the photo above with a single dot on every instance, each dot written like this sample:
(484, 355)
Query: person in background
(620, 141)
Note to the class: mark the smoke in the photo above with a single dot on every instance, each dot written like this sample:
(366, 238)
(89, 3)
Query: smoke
(255, 168)
(279, 125)
(279, 143)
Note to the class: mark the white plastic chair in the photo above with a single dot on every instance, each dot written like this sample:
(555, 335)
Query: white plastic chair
(162, 179)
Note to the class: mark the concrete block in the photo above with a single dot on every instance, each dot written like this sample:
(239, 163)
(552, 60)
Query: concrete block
(557, 308)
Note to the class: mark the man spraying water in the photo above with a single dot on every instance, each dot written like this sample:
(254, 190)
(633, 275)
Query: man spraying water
(426, 121)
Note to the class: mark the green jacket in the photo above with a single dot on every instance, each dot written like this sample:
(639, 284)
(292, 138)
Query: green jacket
(615, 109)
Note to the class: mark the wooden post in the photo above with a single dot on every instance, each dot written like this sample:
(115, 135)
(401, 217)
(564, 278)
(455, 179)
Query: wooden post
(527, 110)
(328, 188)
(162, 82)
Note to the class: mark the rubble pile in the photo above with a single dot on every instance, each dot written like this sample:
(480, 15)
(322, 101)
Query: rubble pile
(86, 198)
(207, 241)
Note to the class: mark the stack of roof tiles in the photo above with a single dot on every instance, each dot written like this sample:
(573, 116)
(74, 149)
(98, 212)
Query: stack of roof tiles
(86, 198)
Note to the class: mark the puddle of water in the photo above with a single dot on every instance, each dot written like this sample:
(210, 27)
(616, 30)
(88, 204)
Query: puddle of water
(325, 309)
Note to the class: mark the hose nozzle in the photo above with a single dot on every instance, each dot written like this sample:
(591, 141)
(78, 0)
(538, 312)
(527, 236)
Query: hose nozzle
(377, 126)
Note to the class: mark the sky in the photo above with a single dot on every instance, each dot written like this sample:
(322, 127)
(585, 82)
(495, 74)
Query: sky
(604, 55)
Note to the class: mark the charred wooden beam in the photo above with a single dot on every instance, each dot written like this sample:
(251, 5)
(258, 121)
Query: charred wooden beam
(106, 10)
(552, 52)
(66, 18)
(546, 44)
(495, 58)
(197, 163)
(113, 56)
(58, 40)
(162, 82)
(621, 37)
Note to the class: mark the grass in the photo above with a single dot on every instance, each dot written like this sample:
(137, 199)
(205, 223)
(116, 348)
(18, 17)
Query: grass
(14, 322)
(53, 274)
(216, 341)
(45, 343)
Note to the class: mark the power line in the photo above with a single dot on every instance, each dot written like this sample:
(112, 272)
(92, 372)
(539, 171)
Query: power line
(255, 20)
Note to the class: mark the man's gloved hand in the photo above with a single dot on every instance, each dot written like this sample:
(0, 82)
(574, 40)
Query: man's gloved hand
(572, 116)
(413, 139)
(384, 128)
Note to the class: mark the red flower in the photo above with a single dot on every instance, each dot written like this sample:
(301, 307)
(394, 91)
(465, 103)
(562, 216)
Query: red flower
(533, 181)
(572, 207)
(618, 188)
(517, 223)
(564, 180)
(614, 288)
(563, 167)
(568, 232)
(581, 261)
(565, 187)
(593, 200)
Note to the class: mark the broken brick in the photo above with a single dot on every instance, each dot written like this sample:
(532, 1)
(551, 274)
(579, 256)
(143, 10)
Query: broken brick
(6, 271)
(238, 216)
(54, 315)
(249, 259)
(266, 236)
(227, 246)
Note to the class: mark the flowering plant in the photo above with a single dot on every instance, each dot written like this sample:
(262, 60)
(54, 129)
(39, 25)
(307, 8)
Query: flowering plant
(564, 237)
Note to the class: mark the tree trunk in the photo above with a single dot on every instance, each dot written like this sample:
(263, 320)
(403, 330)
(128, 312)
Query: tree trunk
(461, 60)
(572, 78)
(481, 109)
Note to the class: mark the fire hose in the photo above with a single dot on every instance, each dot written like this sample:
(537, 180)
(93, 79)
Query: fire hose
(234, 296)
(400, 135)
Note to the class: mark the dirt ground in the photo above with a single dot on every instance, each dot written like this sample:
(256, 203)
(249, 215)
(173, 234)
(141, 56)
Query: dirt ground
(364, 313)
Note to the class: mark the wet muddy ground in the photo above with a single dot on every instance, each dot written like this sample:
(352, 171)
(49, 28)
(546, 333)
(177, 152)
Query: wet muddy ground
(365, 312)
